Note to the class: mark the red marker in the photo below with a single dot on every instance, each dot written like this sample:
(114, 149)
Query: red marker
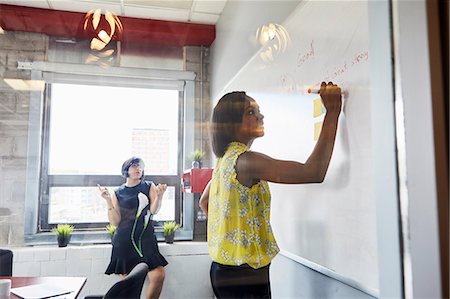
(317, 91)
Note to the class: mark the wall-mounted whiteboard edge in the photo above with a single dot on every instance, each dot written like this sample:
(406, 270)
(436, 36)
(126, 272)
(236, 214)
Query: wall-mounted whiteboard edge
(330, 273)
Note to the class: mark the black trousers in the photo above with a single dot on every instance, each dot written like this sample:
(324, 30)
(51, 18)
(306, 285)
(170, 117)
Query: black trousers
(240, 281)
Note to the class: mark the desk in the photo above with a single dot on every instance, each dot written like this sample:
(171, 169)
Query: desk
(77, 283)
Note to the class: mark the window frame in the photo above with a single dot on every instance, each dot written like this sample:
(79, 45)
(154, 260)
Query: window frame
(36, 231)
(62, 180)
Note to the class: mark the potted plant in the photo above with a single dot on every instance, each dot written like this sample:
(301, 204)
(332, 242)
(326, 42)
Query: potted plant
(111, 229)
(169, 231)
(196, 158)
(63, 233)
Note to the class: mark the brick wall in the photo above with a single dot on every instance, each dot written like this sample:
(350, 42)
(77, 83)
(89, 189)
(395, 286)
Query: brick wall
(14, 108)
(196, 59)
(15, 46)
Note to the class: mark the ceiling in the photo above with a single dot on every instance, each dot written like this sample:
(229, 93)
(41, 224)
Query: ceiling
(193, 11)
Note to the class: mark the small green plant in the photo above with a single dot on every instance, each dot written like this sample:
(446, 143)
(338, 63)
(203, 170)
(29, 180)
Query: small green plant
(197, 155)
(63, 230)
(111, 229)
(170, 227)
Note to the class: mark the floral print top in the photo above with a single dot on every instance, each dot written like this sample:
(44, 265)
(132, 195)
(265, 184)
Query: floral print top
(239, 230)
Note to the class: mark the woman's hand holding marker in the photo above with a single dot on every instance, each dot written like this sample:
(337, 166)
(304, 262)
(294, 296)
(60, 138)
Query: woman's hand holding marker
(312, 90)
(331, 97)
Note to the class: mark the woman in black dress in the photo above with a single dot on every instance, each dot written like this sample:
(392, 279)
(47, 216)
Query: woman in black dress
(130, 209)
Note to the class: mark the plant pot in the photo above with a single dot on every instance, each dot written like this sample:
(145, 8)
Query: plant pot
(169, 238)
(196, 164)
(63, 241)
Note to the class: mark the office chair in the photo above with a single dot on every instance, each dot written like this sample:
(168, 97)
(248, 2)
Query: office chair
(128, 288)
(6, 262)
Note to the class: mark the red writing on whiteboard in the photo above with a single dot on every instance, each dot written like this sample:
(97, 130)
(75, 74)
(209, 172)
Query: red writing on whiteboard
(344, 67)
(337, 71)
(288, 83)
(302, 57)
(360, 57)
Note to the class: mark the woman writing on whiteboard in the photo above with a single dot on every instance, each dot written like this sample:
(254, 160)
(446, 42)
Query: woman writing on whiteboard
(237, 199)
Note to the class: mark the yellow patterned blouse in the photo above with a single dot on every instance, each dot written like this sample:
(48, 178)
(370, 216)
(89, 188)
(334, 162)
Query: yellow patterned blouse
(239, 230)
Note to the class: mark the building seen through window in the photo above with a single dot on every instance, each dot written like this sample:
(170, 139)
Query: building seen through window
(90, 131)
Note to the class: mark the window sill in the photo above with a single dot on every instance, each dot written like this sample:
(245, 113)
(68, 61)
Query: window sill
(95, 237)
(175, 249)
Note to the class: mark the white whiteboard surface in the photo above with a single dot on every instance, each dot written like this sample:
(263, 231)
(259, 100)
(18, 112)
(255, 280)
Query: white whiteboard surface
(332, 224)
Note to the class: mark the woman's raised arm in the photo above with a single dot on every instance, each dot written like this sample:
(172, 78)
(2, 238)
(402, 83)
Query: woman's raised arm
(253, 166)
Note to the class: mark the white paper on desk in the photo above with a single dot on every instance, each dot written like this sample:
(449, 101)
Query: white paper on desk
(38, 291)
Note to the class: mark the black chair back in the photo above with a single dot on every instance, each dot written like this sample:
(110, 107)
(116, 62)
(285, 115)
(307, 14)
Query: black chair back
(131, 286)
(6, 262)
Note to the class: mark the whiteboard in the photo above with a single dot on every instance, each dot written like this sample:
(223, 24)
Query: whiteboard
(332, 224)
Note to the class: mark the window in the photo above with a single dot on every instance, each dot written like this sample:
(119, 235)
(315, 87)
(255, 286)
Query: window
(88, 131)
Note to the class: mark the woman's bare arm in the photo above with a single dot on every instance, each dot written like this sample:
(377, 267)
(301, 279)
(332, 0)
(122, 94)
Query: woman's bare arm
(204, 199)
(253, 166)
(113, 205)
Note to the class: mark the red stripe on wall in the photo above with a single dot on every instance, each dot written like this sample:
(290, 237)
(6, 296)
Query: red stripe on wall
(70, 25)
